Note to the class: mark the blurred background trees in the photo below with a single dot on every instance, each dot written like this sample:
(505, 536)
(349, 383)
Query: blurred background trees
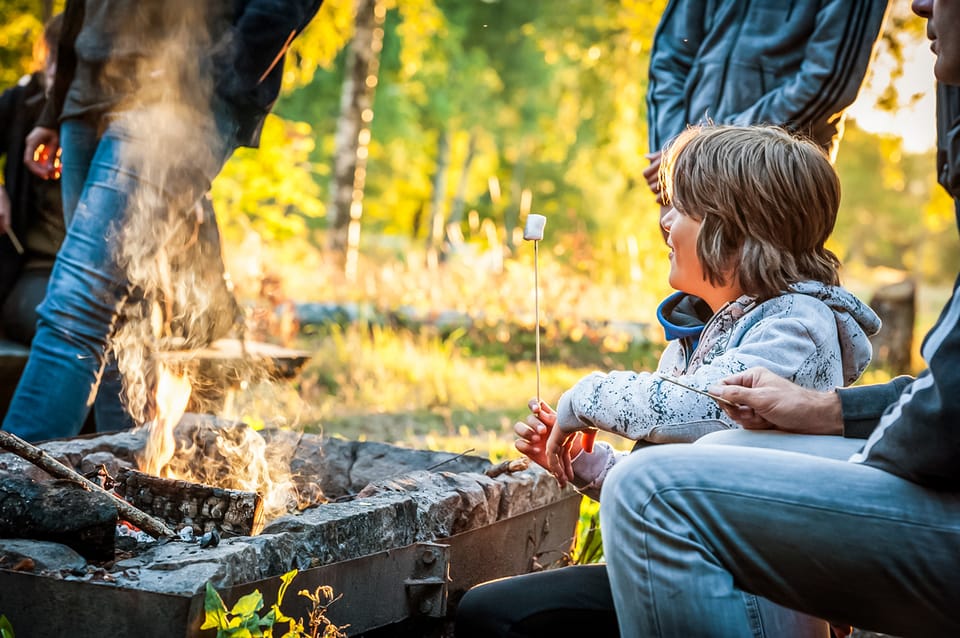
(487, 109)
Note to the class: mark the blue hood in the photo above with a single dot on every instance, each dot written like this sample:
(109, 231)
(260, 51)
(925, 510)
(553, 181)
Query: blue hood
(683, 315)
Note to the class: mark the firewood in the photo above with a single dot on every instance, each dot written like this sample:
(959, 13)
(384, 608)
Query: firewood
(59, 512)
(508, 467)
(203, 507)
(40, 458)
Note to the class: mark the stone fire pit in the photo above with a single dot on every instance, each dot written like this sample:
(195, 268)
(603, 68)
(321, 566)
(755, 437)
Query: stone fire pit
(397, 539)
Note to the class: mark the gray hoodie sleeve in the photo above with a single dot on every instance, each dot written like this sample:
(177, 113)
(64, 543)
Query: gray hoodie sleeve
(641, 405)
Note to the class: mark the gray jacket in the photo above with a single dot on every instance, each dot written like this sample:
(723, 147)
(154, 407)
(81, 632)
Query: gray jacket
(793, 63)
(815, 335)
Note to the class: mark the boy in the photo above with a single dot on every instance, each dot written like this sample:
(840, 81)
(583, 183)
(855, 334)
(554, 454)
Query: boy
(751, 210)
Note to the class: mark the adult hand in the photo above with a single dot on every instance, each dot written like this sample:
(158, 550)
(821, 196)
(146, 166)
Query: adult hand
(767, 401)
(652, 174)
(42, 149)
(534, 433)
(5, 214)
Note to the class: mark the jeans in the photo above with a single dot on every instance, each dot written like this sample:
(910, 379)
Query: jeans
(689, 530)
(88, 286)
(577, 601)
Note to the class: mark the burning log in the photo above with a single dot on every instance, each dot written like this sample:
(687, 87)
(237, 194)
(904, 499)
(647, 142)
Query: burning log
(203, 507)
(13, 443)
(59, 512)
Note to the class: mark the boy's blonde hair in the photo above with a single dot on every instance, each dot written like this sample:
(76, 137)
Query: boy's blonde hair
(766, 200)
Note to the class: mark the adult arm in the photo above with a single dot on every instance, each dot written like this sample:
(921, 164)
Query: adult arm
(73, 14)
(675, 45)
(43, 142)
(918, 437)
(6, 121)
(863, 405)
(766, 400)
(262, 31)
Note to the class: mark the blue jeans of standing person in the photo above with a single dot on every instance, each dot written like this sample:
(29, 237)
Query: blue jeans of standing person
(689, 530)
(87, 285)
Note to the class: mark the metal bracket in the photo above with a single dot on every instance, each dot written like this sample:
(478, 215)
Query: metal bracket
(427, 587)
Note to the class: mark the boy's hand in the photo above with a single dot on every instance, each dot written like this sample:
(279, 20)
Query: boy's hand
(767, 401)
(533, 436)
(652, 174)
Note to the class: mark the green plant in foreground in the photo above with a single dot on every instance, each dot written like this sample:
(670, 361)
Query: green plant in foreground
(589, 544)
(6, 629)
(244, 620)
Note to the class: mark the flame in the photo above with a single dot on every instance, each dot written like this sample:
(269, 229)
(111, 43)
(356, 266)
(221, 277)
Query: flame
(218, 452)
(173, 394)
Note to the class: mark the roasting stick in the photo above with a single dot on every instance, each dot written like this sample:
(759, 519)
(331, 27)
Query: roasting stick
(533, 231)
(13, 443)
(16, 242)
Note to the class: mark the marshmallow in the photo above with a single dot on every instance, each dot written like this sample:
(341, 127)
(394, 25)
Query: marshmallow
(533, 230)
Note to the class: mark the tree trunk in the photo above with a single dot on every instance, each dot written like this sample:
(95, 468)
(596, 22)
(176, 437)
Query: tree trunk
(439, 183)
(893, 345)
(459, 200)
(352, 138)
(511, 215)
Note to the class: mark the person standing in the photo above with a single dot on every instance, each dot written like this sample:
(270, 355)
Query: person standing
(798, 64)
(31, 212)
(150, 99)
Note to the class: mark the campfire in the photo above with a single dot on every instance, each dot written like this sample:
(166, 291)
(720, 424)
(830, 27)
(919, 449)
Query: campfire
(385, 504)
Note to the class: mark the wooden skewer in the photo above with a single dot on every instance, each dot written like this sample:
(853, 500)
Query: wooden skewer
(16, 242)
(533, 231)
(13, 443)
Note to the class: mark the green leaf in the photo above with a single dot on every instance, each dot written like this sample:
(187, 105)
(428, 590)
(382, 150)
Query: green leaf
(248, 605)
(6, 629)
(215, 612)
(285, 581)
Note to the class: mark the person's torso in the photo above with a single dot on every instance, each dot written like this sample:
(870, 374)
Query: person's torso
(132, 53)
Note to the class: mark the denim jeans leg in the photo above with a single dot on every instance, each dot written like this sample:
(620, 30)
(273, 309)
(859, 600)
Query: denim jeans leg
(690, 529)
(78, 143)
(831, 447)
(76, 318)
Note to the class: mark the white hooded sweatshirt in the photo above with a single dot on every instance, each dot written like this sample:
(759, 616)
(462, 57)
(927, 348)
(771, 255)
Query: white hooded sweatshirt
(814, 335)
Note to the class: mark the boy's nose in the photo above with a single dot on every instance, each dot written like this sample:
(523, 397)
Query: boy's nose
(666, 220)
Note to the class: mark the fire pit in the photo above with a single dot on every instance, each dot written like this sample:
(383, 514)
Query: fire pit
(403, 532)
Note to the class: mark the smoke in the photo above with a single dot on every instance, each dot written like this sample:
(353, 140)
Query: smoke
(180, 299)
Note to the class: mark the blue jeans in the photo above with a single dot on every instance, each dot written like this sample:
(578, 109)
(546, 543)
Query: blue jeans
(689, 530)
(88, 286)
(577, 600)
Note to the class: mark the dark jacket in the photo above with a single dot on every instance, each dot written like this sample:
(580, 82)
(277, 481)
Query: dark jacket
(244, 61)
(913, 425)
(948, 142)
(793, 63)
(19, 108)
(918, 435)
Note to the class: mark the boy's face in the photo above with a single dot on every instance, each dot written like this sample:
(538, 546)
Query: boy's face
(686, 273)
